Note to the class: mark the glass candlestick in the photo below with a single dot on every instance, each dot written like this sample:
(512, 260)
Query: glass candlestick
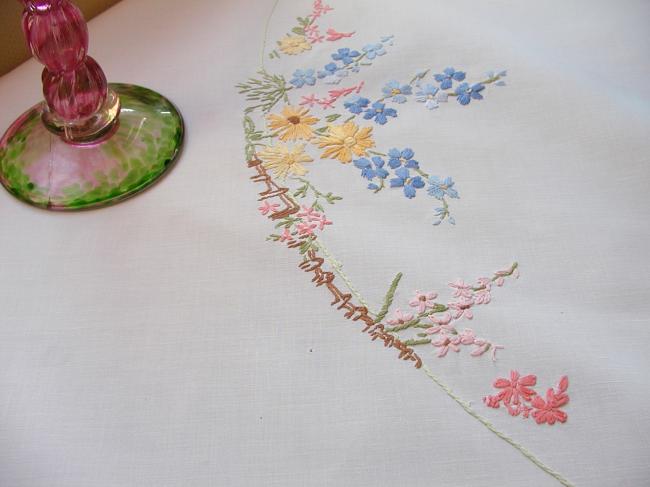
(90, 143)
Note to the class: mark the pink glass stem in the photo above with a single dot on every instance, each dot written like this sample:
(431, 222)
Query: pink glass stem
(74, 86)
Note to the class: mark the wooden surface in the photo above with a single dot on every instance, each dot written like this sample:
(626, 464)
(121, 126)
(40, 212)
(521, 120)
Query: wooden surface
(14, 50)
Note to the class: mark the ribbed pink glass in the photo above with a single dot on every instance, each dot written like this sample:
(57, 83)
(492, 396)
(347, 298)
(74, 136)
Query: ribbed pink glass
(74, 85)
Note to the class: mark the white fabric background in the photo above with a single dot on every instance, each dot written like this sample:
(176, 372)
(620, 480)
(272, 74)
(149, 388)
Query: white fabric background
(163, 342)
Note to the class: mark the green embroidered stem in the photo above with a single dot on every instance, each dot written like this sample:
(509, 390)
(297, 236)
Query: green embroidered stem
(375, 153)
(468, 409)
(301, 192)
(388, 299)
(268, 91)
(266, 32)
(413, 343)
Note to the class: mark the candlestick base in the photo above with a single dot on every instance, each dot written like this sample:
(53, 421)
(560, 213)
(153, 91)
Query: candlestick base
(42, 169)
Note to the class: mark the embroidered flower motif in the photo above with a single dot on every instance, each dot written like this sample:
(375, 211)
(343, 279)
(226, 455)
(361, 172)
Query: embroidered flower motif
(380, 113)
(284, 161)
(404, 180)
(462, 309)
(310, 100)
(371, 170)
(396, 91)
(465, 93)
(293, 45)
(341, 141)
(427, 95)
(548, 411)
(268, 207)
(306, 228)
(328, 70)
(322, 222)
(446, 343)
(345, 55)
(439, 188)
(293, 123)
(423, 301)
(448, 76)
(400, 318)
(303, 77)
(374, 50)
(286, 236)
(404, 157)
(333, 35)
(516, 388)
(357, 104)
(461, 289)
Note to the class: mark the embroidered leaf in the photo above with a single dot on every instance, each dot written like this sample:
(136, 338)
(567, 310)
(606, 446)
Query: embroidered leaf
(298, 30)
(388, 299)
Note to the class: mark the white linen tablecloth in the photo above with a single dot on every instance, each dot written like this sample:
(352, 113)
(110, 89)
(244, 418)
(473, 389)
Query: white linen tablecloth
(164, 342)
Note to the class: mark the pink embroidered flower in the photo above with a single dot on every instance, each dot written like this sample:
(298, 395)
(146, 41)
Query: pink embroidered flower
(516, 389)
(445, 343)
(323, 222)
(309, 214)
(548, 411)
(492, 402)
(482, 297)
(462, 308)
(441, 323)
(316, 38)
(268, 207)
(286, 236)
(326, 103)
(311, 29)
(310, 100)
(306, 228)
(333, 35)
(467, 337)
(484, 282)
(423, 301)
(461, 289)
(400, 318)
(480, 349)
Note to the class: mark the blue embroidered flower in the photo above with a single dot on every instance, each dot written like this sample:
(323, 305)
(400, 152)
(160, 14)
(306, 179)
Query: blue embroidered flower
(303, 77)
(374, 50)
(388, 40)
(345, 55)
(465, 92)
(448, 75)
(328, 70)
(397, 91)
(427, 95)
(357, 104)
(371, 170)
(398, 157)
(379, 112)
(404, 180)
(439, 188)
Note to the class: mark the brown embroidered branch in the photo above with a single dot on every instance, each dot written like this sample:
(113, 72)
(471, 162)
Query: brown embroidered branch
(313, 263)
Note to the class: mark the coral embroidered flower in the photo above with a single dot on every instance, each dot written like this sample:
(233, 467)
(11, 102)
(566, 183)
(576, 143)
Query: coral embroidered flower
(439, 188)
(400, 318)
(374, 50)
(268, 207)
(342, 141)
(548, 411)
(371, 170)
(284, 161)
(423, 301)
(293, 123)
(303, 77)
(404, 180)
(516, 389)
(345, 55)
(357, 104)
(404, 157)
(286, 236)
(396, 91)
(379, 113)
(448, 76)
(465, 92)
(293, 45)
(427, 95)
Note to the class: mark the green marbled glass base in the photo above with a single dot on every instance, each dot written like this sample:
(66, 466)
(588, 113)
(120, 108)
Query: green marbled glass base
(39, 168)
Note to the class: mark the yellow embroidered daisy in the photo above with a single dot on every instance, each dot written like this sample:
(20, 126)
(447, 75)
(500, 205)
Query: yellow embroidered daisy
(293, 124)
(341, 141)
(284, 161)
(294, 45)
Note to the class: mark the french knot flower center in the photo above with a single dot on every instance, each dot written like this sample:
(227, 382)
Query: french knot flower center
(294, 119)
(395, 91)
(349, 142)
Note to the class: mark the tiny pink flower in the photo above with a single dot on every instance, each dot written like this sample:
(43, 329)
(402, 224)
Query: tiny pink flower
(268, 207)
(480, 349)
(316, 38)
(323, 222)
(548, 411)
(400, 318)
(423, 301)
(467, 337)
(441, 323)
(329, 103)
(484, 282)
(461, 289)
(310, 100)
(482, 297)
(492, 402)
(462, 308)
(306, 228)
(286, 236)
(333, 35)
(445, 343)
(311, 29)
(309, 213)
